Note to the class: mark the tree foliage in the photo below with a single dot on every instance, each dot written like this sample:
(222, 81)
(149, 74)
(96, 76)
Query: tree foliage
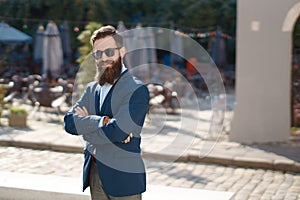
(87, 62)
(84, 38)
(188, 15)
(185, 13)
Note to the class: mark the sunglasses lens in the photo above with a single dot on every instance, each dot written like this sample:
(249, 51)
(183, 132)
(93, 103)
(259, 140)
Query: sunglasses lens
(109, 52)
(97, 55)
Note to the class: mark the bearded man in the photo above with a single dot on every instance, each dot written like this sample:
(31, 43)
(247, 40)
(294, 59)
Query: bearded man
(110, 115)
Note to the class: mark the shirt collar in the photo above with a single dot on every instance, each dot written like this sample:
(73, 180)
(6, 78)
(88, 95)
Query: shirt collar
(123, 68)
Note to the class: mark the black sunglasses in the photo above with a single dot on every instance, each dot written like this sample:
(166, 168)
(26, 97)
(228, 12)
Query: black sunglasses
(108, 52)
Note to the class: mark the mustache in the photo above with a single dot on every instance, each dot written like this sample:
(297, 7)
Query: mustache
(103, 63)
(108, 74)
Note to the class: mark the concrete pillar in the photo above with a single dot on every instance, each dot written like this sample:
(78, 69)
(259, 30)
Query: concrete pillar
(263, 72)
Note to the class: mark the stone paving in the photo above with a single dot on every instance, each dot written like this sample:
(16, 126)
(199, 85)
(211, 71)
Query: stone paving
(246, 183)
(257, 171)
(165, 139)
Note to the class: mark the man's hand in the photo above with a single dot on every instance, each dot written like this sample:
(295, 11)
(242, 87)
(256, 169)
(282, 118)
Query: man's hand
(128, 138)
(81, 111)
(106, 120)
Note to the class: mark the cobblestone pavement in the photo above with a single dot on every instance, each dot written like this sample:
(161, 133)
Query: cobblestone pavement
(245, 183)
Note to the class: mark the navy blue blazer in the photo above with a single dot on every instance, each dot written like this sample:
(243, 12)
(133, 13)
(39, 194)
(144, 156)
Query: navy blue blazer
(120, 166)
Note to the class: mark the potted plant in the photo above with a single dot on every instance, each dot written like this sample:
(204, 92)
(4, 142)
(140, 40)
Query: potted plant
(17, 117)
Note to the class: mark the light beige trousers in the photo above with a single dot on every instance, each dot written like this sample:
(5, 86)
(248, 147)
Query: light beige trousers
(96, 188)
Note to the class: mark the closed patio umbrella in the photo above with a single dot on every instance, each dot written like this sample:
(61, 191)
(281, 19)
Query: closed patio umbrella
(150, 44)
(38, 44)
(65, 39)
(128, 43)
(52, 51)
(176, 48)
(218, 51)
(140, 57)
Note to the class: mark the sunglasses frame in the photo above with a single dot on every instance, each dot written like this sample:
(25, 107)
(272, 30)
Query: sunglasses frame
(104, 51)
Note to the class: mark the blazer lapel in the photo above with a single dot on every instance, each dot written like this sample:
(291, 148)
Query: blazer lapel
(97, 101)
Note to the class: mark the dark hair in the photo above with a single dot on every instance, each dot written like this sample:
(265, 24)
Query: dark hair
(105, 31)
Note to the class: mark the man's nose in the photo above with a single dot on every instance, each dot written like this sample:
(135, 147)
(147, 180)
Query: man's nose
(104, 56)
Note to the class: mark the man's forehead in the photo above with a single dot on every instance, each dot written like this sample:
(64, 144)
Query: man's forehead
(104, 43)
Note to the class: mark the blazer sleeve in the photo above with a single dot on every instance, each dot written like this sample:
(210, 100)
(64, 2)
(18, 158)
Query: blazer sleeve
(79, 125)
(128, 119)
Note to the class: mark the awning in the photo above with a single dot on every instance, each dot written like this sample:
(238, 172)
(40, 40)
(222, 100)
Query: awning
(11, 35)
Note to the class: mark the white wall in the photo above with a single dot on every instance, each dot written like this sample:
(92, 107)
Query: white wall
(264, 42)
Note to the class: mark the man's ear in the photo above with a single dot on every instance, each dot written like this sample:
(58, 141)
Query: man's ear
(122, 52)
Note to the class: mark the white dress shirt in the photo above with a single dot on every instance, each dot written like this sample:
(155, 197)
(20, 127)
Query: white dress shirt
(104, 90)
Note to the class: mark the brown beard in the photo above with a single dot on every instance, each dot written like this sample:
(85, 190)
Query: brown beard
(108, 74)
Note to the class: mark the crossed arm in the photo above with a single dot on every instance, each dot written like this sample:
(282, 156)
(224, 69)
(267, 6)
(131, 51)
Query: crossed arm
(83, 112)
(128, 119)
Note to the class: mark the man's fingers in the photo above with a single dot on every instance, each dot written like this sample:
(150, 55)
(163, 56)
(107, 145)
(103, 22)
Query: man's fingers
(85, 111)
(106, 120)
(81, 111)
(78, 110)
(128, 138)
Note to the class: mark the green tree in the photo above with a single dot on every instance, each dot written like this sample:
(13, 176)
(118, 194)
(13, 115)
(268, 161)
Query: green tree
(84, 38)
(87, 63)
(188, 15)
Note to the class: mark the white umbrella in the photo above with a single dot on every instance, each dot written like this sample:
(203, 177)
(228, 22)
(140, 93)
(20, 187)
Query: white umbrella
(140, 58)
(52, 52)
(218, 52)
(140, 46)
(128, 42)
(150, 44)
(176, 47)
(38, 44)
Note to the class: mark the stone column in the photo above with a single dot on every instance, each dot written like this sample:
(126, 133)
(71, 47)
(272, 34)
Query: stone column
(263, 72)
